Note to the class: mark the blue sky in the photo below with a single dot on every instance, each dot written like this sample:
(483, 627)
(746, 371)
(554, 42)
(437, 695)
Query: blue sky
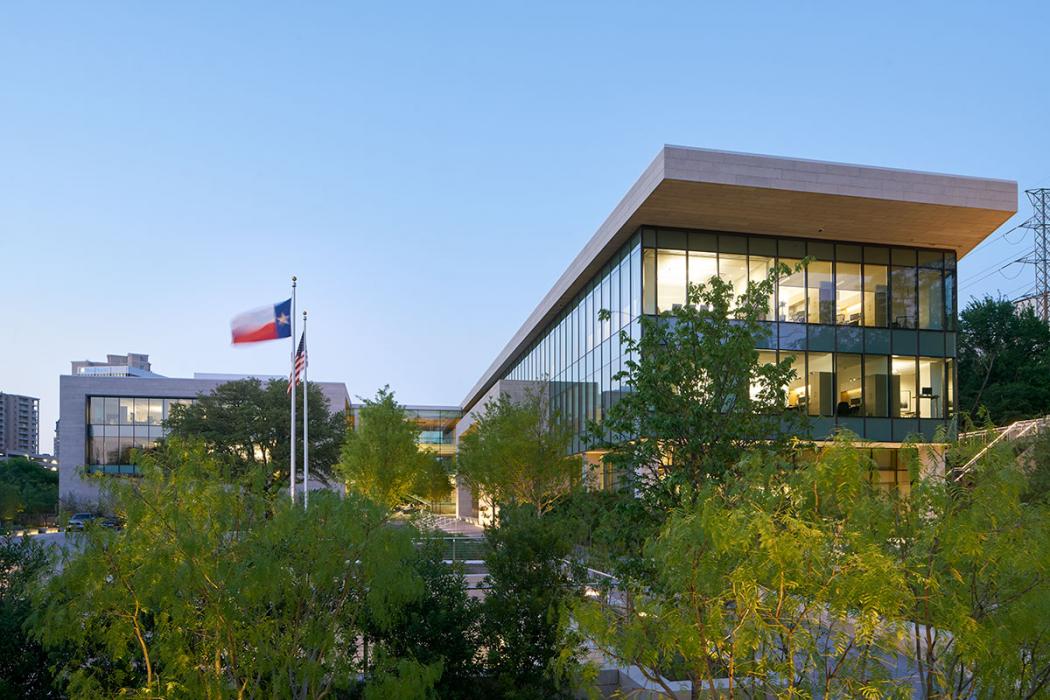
(428, 170)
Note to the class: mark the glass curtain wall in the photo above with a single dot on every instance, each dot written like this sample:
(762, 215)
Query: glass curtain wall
(116, 425)
(871, 328)
(579, 353)
(865, 325)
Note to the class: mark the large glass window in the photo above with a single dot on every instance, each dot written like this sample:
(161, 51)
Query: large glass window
(636, 282)
(949, 300)
(791, 292)
(126, 412)
(116, 425)
(670, 279)
(902, 292)
(96, 447)
(625, 294)
(931, 299)
(156, 411)
(850, 394)
(931, 398)
(591, 325)
(876, 386)
(606, 303)
(141, 411)
(949, 367)
(848, 298)
(649, 281)
(821, 384)
(702, 267)
(112, 410)
(759, 267)
(876, 296)
(733, 269)
(821, 292)
(903, 399)
(796, 388)
(97, 410)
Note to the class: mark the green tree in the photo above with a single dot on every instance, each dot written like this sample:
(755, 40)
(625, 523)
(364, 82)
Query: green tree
(247, 423)
(774, 582)
(517, 453)
(382, 460)
(696, 395)
(1004, 361)
(1036, 460)
(441, 627)
(218, 591)
(28, 491)
(696, 398)
(11, 504)
(532, 652)
(25, 666)
(807, 581)
(976, 557)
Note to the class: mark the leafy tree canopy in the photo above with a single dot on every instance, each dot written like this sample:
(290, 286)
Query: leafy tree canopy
(26, 489)
(696, 398)
(218, 591)
(247, 423)
(1004, 361)
(696, 394)
(517, 453)
(532, 651)
(382, 460)
(440, 627)
(801, 582)
(24, 663)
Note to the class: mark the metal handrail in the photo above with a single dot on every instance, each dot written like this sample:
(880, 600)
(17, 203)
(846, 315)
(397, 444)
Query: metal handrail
(1014, 431)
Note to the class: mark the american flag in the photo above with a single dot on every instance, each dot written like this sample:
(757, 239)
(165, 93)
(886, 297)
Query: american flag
(300, 363)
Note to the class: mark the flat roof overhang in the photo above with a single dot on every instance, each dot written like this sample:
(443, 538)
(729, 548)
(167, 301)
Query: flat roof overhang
(719, 190)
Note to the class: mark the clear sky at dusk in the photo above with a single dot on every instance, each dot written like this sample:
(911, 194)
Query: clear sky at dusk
(428, 170)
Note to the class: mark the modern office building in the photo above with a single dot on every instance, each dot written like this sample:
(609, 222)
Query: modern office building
(870, 324)
(19, 425)
(103, 415)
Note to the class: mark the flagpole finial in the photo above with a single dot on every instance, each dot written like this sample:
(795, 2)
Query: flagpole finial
(304, 315)
(294, 278)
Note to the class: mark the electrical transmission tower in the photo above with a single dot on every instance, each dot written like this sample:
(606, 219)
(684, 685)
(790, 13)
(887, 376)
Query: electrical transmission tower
(1040, 225)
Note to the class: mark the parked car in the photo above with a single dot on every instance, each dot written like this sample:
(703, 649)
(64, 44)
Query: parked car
(78, 521)
(112, 523)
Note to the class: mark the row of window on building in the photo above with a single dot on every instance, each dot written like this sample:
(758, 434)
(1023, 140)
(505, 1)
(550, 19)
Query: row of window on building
(841, 285)
(581, 328)
(846, 285)
(872, 386)
(118, 424)
(871, 326)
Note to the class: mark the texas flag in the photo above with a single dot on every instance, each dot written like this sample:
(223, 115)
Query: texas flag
(267, 323)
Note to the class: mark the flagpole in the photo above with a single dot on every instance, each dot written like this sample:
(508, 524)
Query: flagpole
(291, 467)
(306, 422)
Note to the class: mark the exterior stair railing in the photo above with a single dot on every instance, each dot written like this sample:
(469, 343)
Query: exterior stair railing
(1014, 431)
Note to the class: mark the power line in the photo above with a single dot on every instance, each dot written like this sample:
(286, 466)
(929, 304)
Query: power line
(998, 267)
(1020, 292)
(1018, 272)
(993, 266)
(996, 237)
